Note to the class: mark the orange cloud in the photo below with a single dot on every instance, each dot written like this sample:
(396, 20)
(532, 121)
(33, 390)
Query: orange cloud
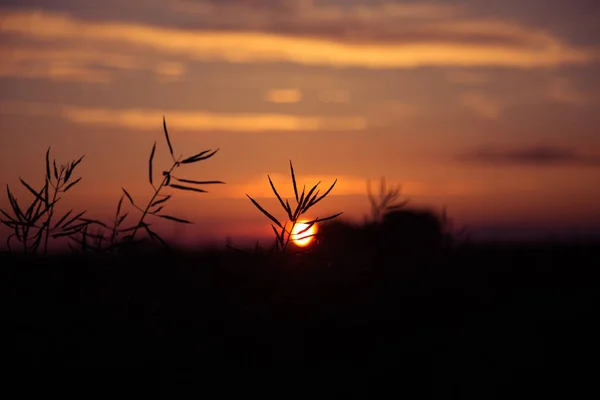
(518, 47)
(146, 119)
(481, 104)
(77, 64)
(283, 95)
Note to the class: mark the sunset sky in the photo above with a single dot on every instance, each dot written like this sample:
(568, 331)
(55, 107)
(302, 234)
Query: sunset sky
(489, 108)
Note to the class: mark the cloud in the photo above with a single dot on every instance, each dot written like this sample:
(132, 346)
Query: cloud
(146, 119)
(79, 64)
(449, 43)
(481, 104)
(169, 71)
(468, 78)
(283, 95)
(533, 155)
(335, 96)
(562, 91)
(386, 113)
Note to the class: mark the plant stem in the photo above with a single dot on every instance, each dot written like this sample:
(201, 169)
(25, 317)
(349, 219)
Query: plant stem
(156, 192)
(289, 235)
(51, 209)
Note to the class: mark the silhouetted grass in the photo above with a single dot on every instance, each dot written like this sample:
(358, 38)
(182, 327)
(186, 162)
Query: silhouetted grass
(390, 292)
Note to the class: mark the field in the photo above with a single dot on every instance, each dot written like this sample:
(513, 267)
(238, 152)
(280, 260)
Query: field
(471, 316)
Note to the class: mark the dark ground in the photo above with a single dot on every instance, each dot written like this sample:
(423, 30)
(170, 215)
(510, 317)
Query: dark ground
(475, 320)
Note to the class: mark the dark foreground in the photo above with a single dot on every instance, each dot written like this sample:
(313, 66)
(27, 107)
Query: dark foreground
(479, 320)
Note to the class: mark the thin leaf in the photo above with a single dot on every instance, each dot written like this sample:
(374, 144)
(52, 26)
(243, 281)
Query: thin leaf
(324, 219)
(122, 218)
(188, 188)
(36, 194)
(294, 182)
(283, 230)
(200, 157)
(311, 201)
(276, 233)
(277, 194)
(309, 225)
(128, 196)
(31, 207)
(308, 196)
(288, 208)
(73, 219)
(7, 216)
(167, 136)
(298, 210)
(150, 163)
(119, 205)
(272, 218)
(36, 243)
(198, 182)
(15, 205)
(55, 170)
(70, 185)
(63, 218)
(154, 235)
(76, 163)
(159, 209)
(184, 221)
(47, 195)
(325, 194)
(48, 164)
(68, 172)
(157, 202)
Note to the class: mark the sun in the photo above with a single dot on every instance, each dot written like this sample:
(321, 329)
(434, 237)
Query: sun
(305, 238)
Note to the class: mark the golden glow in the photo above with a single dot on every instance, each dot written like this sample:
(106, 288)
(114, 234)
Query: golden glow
(305, 238)
(284, 96)
(145, 119)
(527, 48)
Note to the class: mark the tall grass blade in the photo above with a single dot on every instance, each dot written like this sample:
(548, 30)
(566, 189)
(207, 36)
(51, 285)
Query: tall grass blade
(180, 187)
(325, 219)
(128, 196)
(48, 164)
(272, 218)
(157, 202)
(276, 194)
(200, 156)
(70, 185)
(11, 219)
(198, 182)
(67, 224)
(35, 193)
(154, 235)
(167, 136)
(308, 196)
(169, 217)
(55, 169)
(120, 204)
(63, 218)
(122, 218)
(294, 182)
(150, 163)
(15, 205)
(325, 194)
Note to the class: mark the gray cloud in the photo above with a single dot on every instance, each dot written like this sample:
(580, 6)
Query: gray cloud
(533, 155)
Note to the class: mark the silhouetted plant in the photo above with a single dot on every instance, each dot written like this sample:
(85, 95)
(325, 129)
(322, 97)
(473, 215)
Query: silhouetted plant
(387, 201)
(34, 226)
(158, 200)
(304, 202)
